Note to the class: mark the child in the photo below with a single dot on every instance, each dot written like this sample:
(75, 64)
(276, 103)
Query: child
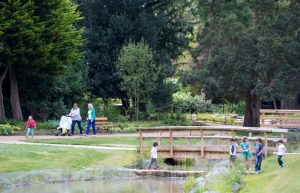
(280, 153)
(245, 145)
(232, 151)
(91, 119)
(154, 157)
(30, 126)
(258, 155)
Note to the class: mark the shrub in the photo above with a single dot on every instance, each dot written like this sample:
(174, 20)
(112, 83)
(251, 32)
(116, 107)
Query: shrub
(211, 117)
(185, 102)
(7, 129)
(175, 119)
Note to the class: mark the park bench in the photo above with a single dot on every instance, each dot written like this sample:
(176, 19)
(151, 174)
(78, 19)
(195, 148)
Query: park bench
(102, 123)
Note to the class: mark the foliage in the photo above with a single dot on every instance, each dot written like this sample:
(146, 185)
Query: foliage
(213, 118)
(174, 119)
(39, 41)
(8, 129)
(224, 182)
(189, 184)
(112, 24)
(246, 50)
(138, 72)
(185, 102)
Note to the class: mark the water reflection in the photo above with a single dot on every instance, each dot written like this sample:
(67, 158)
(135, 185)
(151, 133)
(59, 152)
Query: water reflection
(144, 185)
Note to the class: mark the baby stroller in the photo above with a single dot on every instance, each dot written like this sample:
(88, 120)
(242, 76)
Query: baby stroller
(64, 126)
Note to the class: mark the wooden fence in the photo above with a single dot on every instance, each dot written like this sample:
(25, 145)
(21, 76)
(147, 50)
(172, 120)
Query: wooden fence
(280, 118)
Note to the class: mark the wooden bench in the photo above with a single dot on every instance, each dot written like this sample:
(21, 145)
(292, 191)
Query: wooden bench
(102, 123)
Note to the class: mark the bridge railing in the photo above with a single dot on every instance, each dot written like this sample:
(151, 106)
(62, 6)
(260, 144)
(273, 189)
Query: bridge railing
(280, 118)
(203, 133)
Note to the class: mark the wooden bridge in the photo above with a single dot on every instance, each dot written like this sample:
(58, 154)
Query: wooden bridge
(210, 142)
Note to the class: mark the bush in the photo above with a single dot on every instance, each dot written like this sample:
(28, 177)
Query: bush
(185, 102)
(213, 118)
(175, 119)
(7, 129)
(122, 130)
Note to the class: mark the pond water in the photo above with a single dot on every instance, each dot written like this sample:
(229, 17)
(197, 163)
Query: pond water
(139, 185)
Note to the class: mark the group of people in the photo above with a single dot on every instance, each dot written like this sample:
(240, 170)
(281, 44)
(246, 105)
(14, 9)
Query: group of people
(76, 119)
(247, 154)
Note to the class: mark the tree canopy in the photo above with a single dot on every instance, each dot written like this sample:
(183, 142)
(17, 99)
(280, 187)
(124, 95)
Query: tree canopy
(246, 51)
(38, 39)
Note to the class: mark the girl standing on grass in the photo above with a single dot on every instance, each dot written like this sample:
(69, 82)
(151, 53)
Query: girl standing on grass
(280, 153)
(91, 119)
(245, 145)
(30, 126)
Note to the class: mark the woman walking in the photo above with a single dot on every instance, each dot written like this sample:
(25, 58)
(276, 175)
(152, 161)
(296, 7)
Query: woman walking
(76, 118)
(91, 119)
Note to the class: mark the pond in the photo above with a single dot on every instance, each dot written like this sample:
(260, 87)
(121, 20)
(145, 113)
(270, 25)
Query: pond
(139, 185)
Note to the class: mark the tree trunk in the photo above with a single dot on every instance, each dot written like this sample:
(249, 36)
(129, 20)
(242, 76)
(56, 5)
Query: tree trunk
(2, 110)
(274, 103)
(14, 96)
(125, 106)
(252, 117)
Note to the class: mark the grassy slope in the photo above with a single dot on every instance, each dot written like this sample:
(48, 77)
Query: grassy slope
(30, 157)
(275, 179)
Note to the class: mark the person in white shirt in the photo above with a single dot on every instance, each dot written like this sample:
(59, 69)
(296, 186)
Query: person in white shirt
(154, 157)
(280, 153)
(232, 151)
(76, 118)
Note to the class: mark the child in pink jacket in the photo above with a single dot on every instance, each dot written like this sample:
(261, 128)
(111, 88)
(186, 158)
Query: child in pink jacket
(30, 126)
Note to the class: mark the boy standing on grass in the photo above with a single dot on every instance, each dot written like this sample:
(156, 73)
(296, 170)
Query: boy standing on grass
(280, 153)
(258, 155)
(245, 145)
(154, 157)
(30, 126)
(232, 151)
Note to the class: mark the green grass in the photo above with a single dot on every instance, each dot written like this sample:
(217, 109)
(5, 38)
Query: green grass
(104, 141)
(16, 158)
(107, 141)
(274, 179)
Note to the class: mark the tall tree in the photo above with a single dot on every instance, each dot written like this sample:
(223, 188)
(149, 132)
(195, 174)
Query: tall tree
(138, 72)
(242, 51)
(111, 24)
(38, 37)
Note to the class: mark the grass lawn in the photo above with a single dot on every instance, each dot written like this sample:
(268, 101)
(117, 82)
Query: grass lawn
(16, 158)
(275, 179)
(107, 141)
(97, 141)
